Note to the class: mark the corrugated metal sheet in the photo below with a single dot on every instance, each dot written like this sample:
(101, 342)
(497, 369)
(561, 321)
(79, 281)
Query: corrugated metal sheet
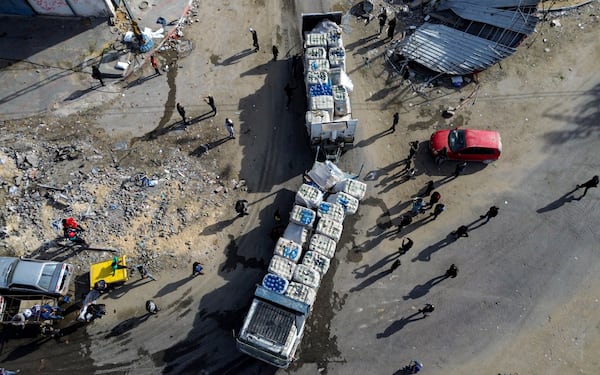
(510, 20)
(444, 49)
(472, 36)
(500, 3)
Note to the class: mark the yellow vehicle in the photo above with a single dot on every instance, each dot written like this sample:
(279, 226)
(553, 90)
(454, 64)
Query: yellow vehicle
(112, 271)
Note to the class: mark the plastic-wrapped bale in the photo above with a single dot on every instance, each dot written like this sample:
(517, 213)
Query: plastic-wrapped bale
(320, 90)
(275, 283)
(282, 266)
(330, 228)
(315, 40)
(309, 196)
(318, 65)
(326, 175)
(302, 216)
(355, 188)
(323, 103)
(288, 249)
(315, 53)
(335, 75)
(323, 245)
(307, 276)
(296, 233)
(317, 261)
(301, 292)
(347, 201)
(334, 38)
(332, 211)
(341, 100)
(337, 58)
(316, 77)
(317, 117)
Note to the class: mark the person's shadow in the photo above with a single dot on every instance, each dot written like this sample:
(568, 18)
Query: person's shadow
(567, 197)
(399, 324)
(422, 289)
(370, 281)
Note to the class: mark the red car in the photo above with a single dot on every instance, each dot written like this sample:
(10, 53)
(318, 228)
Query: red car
(465, 144)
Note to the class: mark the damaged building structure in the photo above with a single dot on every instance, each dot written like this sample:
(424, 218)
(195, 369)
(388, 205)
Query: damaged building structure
(461, 37)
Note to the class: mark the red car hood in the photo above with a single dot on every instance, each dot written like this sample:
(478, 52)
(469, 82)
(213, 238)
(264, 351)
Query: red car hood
(439, 140)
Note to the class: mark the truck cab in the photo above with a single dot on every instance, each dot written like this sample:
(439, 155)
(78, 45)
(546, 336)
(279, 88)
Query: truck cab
(273, 327)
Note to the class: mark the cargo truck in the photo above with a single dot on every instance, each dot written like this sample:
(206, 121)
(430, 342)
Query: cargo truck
(329, 120)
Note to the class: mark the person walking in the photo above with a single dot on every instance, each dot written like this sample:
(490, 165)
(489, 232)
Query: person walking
(461, 231)
(427, 309)
(211, 102)
(406, 220)
(144, 273)
(275, 52)
(197, 269)
(492, 212)
(414, 147)
(439, 208)
(452, 271)
(407, 244)
(591, 183)
(181, 111)
(395, 265)
(277, 216)
(460, 168)
(435, 197)
(96, 74)
(151, 307)
(391, 27)
(154, 65)
(254, 40)
(229, 127)
(394, 122)
(241, 207)
(382, 17)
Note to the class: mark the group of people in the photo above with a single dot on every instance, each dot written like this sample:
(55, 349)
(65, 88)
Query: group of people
(37, 313)
(210, 100)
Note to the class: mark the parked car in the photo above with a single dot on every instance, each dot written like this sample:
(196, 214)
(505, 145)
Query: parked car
(34, 276)
(465, 144)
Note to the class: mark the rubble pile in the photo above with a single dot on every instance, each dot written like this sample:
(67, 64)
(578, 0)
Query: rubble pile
(151, 215)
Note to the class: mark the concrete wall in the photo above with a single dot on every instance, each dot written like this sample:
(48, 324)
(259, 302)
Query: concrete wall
(66, 8)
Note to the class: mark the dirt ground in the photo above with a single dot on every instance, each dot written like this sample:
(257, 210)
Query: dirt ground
(90, 159)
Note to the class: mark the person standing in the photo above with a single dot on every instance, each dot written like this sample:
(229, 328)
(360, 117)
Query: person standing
(418, 206)
(435, 197)
(96, 74)
(211, 102)
(382, 18)
(394, 122)
(427, 309)
(452, 271)
(254, 40)
(181, 111)
(391, 27)
(197, 269)
(414, 147)
(229, 127)
(439, 208)
(407, 244)
(406, 220)
(151, 307)
(289, 92)
(395, 265)
(492, 212)
(591, 183)
(275, 53)
(461, 231)
(154, 65)
(241, 207)
(460, 168)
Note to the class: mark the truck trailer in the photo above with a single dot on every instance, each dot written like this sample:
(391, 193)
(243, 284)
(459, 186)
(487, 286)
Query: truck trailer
(329, 121)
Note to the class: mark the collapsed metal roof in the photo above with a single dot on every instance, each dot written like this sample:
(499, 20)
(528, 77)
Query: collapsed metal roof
(466, 36)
